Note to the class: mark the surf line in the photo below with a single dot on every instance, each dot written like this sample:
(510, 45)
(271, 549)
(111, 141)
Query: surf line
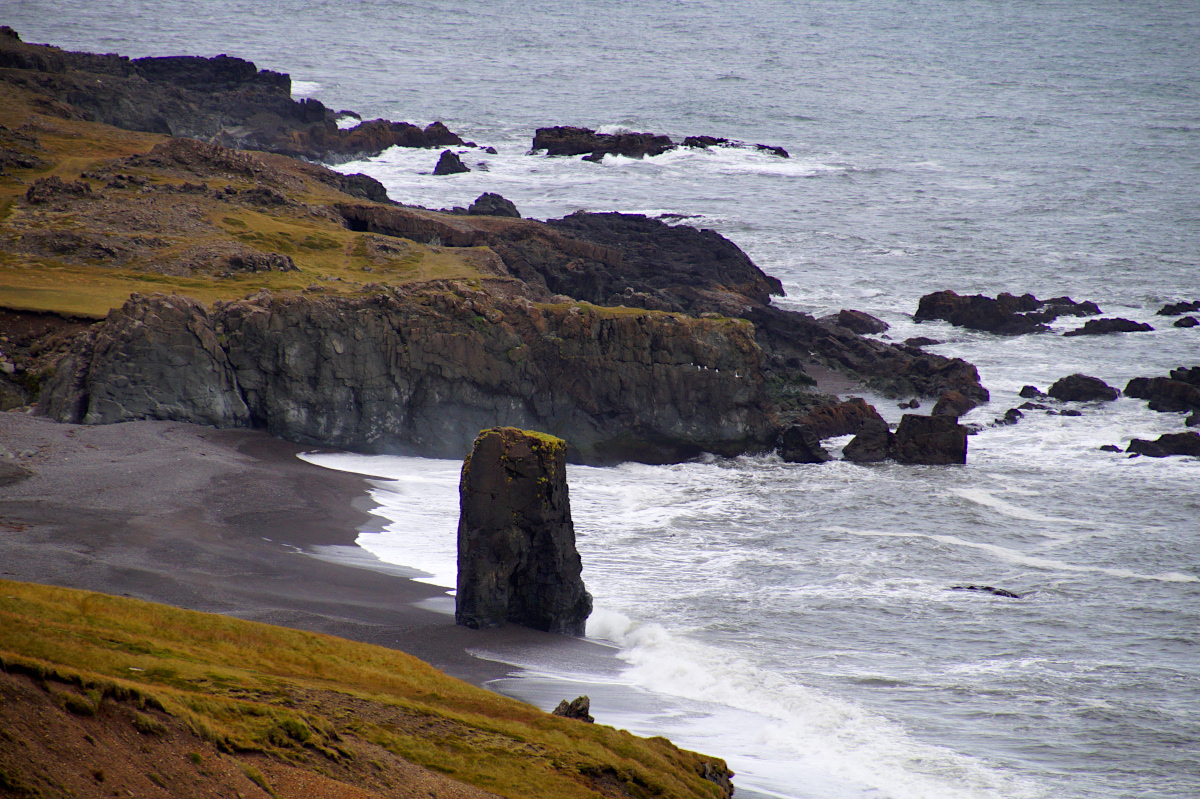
(1012, 556)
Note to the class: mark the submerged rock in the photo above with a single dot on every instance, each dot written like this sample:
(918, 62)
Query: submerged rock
(1167, 444)
(930, 440)
(1099, 327)
(1082, 388)
(517, 560)
(986, 589)
(1179, 308)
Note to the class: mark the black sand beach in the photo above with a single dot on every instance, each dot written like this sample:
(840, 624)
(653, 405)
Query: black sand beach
(220, 521)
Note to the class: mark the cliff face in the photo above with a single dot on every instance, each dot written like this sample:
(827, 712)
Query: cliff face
(517, 560)
(422, 370)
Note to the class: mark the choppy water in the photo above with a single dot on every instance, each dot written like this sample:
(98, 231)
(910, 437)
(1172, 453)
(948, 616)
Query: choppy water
(796, 619)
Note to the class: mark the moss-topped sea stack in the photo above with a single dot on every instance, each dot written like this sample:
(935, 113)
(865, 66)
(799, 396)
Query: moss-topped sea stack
(517, 560)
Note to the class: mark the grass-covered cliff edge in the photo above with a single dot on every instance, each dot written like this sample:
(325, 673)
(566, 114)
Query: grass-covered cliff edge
(102, 695)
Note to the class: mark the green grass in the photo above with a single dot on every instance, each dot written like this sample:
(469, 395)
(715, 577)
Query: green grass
(249, 687)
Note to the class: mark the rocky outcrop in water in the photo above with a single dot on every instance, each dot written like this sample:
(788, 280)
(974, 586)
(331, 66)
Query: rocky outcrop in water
(1100, 327)
(1187, 321)
(1178, 308)
(450, 164)
(1167, 445)
(953, 403)
(799, 444)
(1178, 393)
(517, 560)
(872, 444)
(1082, 388)
(857, 321)
(930, 440)
(565, 140)
(1004, 315)
(422, 370)
(986, 589)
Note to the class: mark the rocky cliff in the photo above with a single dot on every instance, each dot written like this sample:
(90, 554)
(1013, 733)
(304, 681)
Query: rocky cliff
(422, 369)
(517, 560)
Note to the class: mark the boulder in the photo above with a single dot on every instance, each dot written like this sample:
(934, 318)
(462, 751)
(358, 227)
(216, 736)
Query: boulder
(1030, 392)
(872, 444)
(1109, 448)
(1011, 416)
(921, 341)
(1082, 388)
(930, 440)
(859, 322)
(578, 708)
(450, 164)
(799, 444)
(488, 204)
(840, 419)
(953, 403)
(1167, 444)
(1187, 321)
(1005, 315)
(1100, 327)
(1179, 308)
(517, 560)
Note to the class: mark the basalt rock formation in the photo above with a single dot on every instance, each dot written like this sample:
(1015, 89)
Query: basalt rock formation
(421, 370)
(1082, 388)
(517, 560)
(450, 164)
(1178, 308)
(225, 100)
(594, 146)
(1005, 315)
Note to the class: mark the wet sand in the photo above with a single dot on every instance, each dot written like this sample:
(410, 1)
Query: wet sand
(220, 521)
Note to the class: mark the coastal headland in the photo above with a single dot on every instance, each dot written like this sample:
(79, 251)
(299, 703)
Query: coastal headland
(191, 306)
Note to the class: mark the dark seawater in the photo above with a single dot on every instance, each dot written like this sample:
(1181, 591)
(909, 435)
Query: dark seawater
(796, 619)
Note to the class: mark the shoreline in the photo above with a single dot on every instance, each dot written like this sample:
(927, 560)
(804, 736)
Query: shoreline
(224, 521)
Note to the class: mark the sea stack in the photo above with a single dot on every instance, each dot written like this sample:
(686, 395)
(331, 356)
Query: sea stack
(517, 560)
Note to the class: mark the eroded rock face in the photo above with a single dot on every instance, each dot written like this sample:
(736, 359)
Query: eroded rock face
(422, 370)
(517, 560)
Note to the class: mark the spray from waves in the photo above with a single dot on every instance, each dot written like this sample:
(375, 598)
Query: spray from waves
(793, 733)
(1021, 559)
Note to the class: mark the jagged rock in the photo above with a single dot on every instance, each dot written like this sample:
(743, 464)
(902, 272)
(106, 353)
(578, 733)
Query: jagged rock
(1006, 315)
(1099, 327)
(488, 204)
(799, 444)
(929, 440)
(1030, 392)
(953, 403)
(872, 444)
(1179, 308)
(580, 141)
(1187, 321)
(578, 708)
(1167, 444)
(921, 341)
(859, 322)
(1168, 394)
(414, 370)
(517, 560)
(1082, 388)
(986, 589)
(450, 164)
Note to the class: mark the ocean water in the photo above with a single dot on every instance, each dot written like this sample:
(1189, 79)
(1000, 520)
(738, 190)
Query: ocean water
(796, 619)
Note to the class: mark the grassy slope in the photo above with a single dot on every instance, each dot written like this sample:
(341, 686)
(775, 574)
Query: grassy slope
(289, 698)
(323, 249)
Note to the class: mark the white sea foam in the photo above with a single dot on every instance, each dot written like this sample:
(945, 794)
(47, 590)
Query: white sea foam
(305, 88)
